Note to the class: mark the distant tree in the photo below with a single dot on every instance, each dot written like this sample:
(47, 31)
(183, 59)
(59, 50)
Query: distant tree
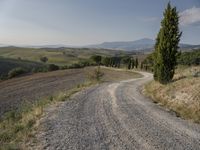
(106, 61)
(189, 58)
(166, 47)
(44, 59)
(64, 53)
(117, 62)
(155, 60)
(133, 63)
(136, 63)
(148, 62)
(141, 65)
(126, 61)
(129, 63)
(97, 59)
(53, 67)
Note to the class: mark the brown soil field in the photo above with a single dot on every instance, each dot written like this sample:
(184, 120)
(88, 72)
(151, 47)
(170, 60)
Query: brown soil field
(17, 92)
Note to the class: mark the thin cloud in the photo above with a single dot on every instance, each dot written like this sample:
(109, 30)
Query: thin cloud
(190, 16)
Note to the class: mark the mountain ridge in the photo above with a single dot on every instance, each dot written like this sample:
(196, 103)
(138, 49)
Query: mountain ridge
(144, 44)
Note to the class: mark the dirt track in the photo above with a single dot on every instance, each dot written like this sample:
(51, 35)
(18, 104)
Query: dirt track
(115, 116)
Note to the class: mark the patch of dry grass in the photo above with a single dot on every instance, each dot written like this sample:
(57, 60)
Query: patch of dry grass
(182, 95)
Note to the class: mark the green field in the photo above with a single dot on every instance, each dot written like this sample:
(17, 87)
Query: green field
(59, 56)
(29, 58)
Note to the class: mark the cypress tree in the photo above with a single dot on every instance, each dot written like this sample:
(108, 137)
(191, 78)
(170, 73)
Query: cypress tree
(155, 63)
(141, 65)
(166, 47)
(133, 63)
(129, 63)
(136, 63)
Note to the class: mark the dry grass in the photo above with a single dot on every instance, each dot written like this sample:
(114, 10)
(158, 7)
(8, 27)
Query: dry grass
(182, 95)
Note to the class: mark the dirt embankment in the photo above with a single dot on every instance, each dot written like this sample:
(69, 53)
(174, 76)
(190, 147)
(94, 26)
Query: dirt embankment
(19, 91)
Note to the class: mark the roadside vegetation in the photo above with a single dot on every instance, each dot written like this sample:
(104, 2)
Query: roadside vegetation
(176, 82)
(166, 46)
(182, 95)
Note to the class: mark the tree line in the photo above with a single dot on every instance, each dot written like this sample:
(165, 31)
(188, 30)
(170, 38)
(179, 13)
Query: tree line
(116, 61)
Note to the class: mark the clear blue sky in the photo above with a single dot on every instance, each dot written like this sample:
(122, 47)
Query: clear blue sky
(82, 22)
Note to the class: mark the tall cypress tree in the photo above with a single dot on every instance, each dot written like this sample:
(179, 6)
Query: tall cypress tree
(133, 63)
(166, 47)
(155, 63)
(136, 62)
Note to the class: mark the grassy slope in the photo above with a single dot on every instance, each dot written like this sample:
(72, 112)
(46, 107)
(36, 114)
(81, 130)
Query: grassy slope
(181, 96)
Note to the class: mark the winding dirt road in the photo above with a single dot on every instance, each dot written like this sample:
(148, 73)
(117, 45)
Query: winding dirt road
(116, 116)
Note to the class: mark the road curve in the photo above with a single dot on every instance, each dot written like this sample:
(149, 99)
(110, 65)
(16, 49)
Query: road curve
(116, 116)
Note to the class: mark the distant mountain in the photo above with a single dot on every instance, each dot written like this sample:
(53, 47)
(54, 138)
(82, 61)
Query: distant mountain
(144, 44)
(127, 46)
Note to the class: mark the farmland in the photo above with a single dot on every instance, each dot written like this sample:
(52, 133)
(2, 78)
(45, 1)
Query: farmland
(59, 56)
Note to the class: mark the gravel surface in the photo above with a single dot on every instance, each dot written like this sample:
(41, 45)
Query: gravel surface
(115, 116)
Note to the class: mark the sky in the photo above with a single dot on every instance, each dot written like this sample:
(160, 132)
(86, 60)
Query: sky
(83, 22)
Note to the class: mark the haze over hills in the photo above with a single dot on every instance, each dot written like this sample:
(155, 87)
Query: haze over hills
(126, 45)
(141, 45)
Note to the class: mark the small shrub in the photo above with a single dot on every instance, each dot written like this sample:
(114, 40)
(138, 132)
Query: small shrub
(3, 76)
(64, 67)
(76, 65)
(13, 116)
(30, 123)
(18, 127)
(96, 75)
(195, 72)
(40, 69)
(5, 136)
(44, 59)
(16, 72)
(53, 67)
(10, 147)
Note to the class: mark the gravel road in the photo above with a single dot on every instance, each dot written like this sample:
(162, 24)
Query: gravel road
(115, 116)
